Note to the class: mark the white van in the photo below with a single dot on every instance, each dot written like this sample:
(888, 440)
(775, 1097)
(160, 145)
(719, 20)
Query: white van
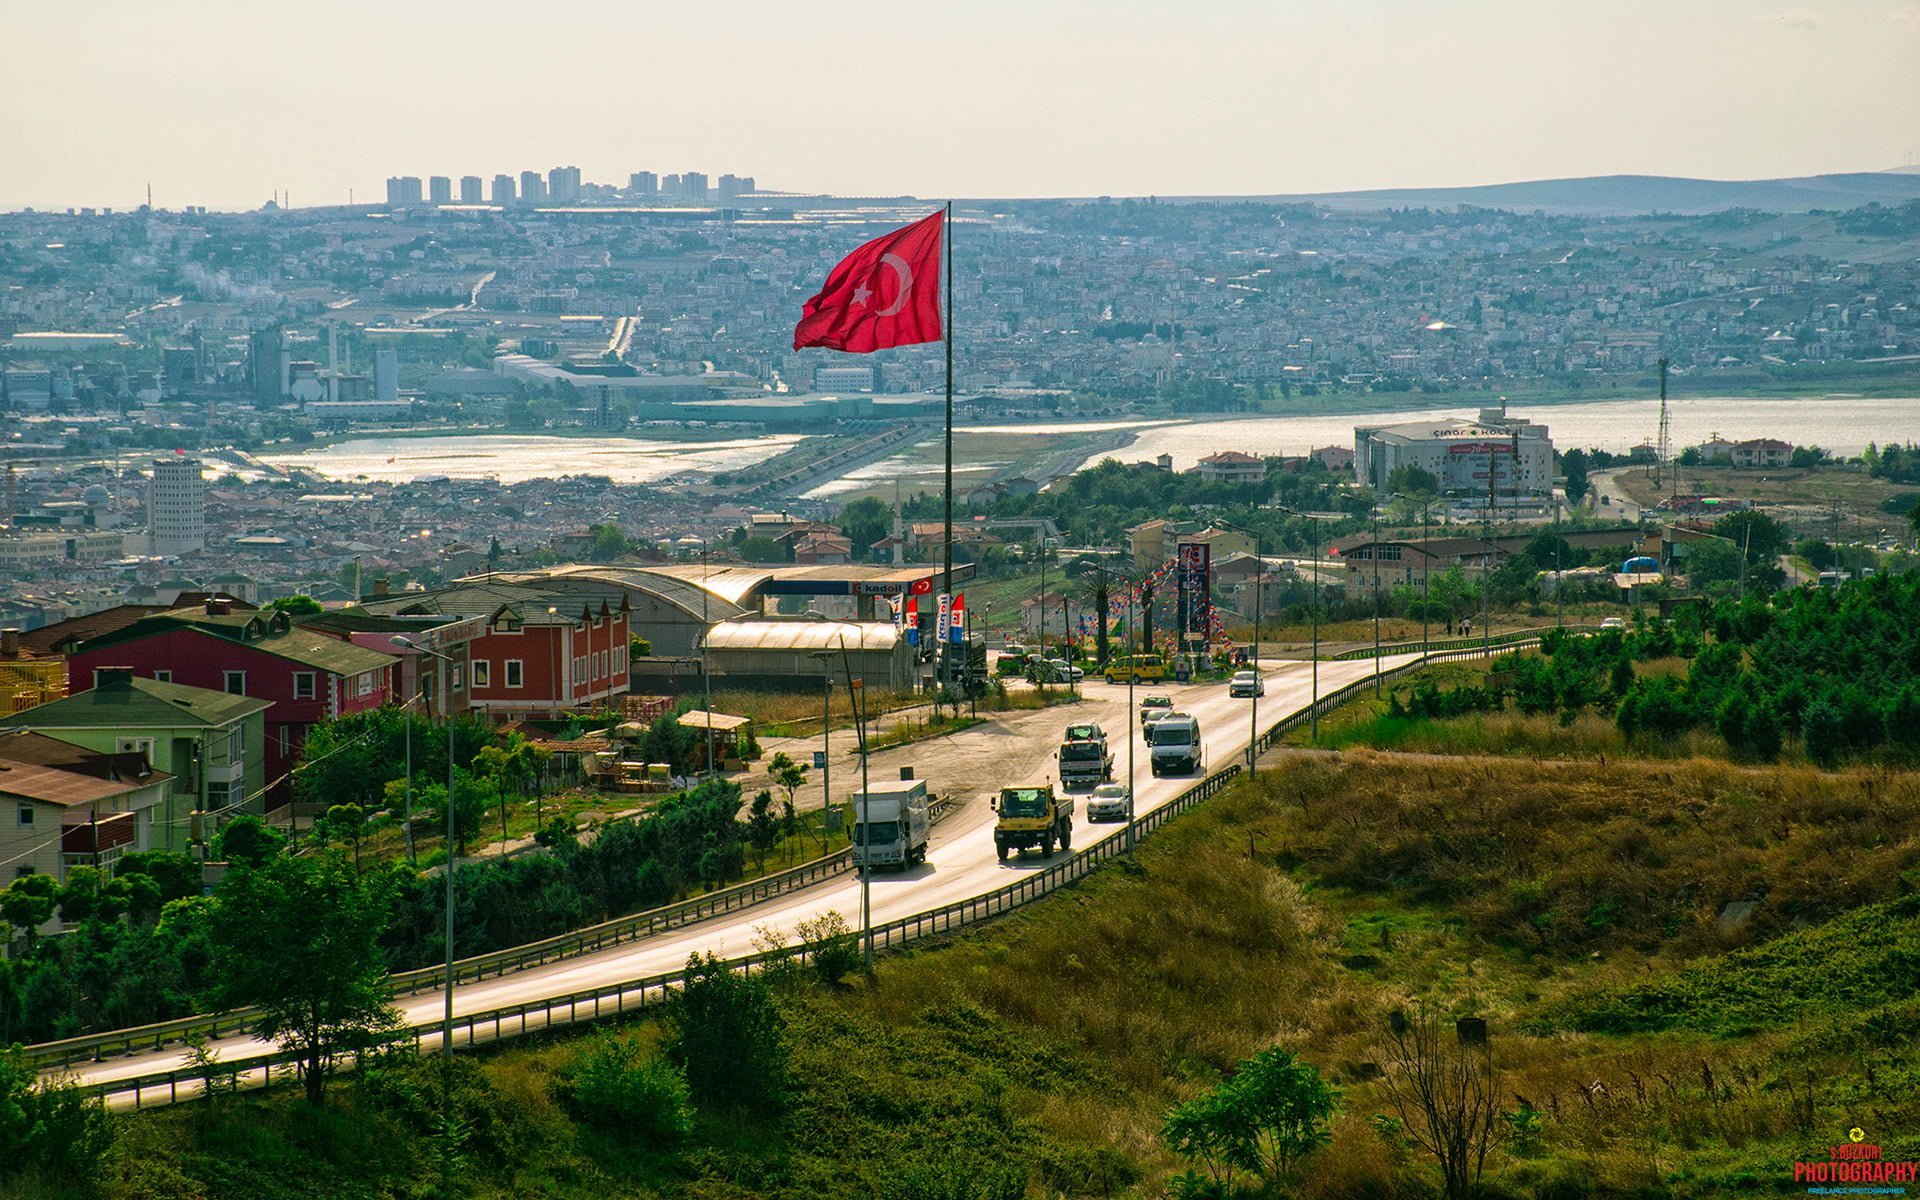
(1177, 750)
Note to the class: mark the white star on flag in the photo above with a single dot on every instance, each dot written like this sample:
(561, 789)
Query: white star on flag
(861, 293)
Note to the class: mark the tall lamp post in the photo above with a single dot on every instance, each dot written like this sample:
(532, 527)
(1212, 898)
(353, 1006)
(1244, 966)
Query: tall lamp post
(706, 674)
(1376, 607)
(856, 699)
(446, 1038)
(1314, 710)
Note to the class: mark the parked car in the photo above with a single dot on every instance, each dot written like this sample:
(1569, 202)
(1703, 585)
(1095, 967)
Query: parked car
(1065, 671)
(1246, 683)
(1110, 802)
(1613, 623)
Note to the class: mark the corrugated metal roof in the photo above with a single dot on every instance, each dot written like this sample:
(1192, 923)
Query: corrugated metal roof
(803, 636)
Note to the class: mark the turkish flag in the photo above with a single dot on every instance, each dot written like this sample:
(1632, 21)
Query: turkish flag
(885, 294)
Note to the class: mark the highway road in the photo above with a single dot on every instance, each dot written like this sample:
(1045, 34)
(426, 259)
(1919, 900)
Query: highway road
(1010, 749)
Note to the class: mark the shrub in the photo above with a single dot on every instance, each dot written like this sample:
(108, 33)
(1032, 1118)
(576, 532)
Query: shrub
(726, 1035)
(49, 1127)
(832, 946)
(618, 1086)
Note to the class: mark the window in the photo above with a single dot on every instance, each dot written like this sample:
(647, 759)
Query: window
(163, 676)
(22, 872)
(364, 685)
(217, 795)
(25, 817)
(303, 685)
(237, 743)
(235, 682)
(515, 672)
(482, 673)
(459, 678)
(620, 660)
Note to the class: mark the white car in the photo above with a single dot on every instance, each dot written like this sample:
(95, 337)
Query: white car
(1064, 670)
(1110, 802)
(1246, 683)
(1613, 623)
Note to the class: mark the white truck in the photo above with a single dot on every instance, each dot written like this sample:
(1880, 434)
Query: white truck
(890, 824)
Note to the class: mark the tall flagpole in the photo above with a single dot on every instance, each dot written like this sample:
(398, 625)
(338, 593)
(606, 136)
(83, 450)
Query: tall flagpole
(946, 582)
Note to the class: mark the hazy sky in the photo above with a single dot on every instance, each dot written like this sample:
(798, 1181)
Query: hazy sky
(220, 102)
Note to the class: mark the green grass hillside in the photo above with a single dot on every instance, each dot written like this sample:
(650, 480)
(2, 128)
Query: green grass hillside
(1693, 974)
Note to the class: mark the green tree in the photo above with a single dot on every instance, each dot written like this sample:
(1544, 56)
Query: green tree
(349, 823)
(763, 828)
(298, 606)
(247, 841)
(28, 903)
(762, 549)
(1712, 563)
(299, 938)
(607, 542)
(49, 1127)
(865, 521)
(1759, 536)
(725, 1032)
(1574, 465)
(1410, 480)
(1284, 1107)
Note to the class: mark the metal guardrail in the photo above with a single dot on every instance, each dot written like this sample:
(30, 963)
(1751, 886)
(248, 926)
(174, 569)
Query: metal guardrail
(1505, 641)
(259, 1071)
(138, 1039)
(1334, 699)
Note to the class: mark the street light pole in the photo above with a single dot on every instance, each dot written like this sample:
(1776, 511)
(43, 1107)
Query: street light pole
(859, 705)
(1253, 712)
(1376, 608)
(446, 1037)
(706, 675)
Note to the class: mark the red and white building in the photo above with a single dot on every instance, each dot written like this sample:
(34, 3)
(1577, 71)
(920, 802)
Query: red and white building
(529, 653)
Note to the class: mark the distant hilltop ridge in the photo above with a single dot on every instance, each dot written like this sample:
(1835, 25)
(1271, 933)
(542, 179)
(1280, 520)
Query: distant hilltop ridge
(1628, 195)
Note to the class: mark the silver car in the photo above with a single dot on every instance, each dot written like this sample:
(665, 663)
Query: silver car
(1110, 802)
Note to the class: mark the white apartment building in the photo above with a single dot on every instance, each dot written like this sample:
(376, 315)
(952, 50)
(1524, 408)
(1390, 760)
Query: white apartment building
(177, 506)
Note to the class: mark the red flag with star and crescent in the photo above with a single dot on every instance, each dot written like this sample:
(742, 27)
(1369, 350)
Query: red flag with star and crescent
(885, 294)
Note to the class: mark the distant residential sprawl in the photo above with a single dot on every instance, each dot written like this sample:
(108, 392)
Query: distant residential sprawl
(632, 301)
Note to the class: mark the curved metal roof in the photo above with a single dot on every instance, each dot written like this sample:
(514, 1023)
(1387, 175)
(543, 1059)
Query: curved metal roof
(803, 636)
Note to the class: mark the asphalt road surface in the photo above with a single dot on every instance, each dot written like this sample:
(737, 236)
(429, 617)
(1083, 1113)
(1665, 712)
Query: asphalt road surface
(1012, 748)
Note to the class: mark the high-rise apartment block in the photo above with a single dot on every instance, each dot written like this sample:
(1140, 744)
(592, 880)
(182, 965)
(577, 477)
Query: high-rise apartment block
(734, 186)
(440, 190)
(403, 191)
(470, 189)
(267, 363)
(563, 185)
(643, 183)
(177, 506)
(670, 185)
(694, 184)
(386, 374)
(533, 187)
(503, 189)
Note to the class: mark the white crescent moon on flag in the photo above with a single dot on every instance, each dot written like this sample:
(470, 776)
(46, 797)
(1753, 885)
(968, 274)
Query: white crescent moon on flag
(904, 274)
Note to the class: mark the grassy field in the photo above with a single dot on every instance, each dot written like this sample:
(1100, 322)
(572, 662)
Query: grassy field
(1805, 499)
(1693, 973)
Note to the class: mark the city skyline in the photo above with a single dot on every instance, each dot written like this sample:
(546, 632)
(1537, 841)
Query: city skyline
(1237, 98)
